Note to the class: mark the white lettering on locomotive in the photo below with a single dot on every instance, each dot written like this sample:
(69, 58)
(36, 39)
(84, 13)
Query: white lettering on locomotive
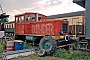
(42, 28)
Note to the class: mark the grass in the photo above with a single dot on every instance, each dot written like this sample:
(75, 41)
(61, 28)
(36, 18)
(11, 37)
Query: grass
(72, 55)
(27, 46)
(60, 53)
(35, 56)
(2, 49)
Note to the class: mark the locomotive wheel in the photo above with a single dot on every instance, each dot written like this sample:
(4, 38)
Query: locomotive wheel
(48, 44)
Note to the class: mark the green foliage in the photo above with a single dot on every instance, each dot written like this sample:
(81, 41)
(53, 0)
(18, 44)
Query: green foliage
(3, 20)
(73, 55)
(87, 57)
(78, 55)
(13, 37)
(2, 47)
(61, 53)
(26, 45)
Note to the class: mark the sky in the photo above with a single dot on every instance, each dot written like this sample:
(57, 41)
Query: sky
(46, 7)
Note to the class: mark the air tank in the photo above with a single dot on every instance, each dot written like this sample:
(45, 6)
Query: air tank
(30, 38)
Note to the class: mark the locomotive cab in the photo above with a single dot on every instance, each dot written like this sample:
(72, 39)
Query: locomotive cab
(22, 21)
(29, 17)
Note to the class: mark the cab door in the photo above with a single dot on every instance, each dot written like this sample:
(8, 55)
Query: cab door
(27, 24)
(20, 25)
(20, 28)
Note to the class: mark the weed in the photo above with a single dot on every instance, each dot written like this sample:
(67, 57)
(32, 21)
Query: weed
(27, 45)
(73, 55)
(61, 53)
(87, 57)
(2, 47)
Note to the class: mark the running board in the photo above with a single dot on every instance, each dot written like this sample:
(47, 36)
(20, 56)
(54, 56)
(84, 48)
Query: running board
(15, 54)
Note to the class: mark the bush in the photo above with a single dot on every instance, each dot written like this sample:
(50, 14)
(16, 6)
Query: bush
(27, 45)
(73, 55)
(61, 53)
(2, 47)
(87, 57)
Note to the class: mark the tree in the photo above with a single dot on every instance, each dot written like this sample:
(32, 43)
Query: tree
(80, 2)
(3, 18)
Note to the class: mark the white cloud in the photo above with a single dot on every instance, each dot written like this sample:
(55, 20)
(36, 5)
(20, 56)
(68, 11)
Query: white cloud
(55, 2)
(49, 3)
(60, 9)
(46, 7)
(43, 2)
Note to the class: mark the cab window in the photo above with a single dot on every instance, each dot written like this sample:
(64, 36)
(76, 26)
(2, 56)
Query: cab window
(39, 18)
(33, 16)
(27, 18)
(16, 19)
(21, 19)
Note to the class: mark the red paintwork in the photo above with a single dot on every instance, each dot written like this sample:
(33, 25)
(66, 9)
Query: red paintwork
(51, 27)
(45, 27)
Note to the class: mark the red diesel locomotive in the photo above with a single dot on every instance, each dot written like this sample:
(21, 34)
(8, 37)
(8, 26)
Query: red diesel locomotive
(36, 28)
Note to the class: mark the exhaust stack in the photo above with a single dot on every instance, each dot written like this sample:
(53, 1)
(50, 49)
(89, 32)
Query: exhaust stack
(36, 16)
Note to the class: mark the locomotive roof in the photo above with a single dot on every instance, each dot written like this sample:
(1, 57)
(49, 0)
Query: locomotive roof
(79, 13)
(28, 13)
